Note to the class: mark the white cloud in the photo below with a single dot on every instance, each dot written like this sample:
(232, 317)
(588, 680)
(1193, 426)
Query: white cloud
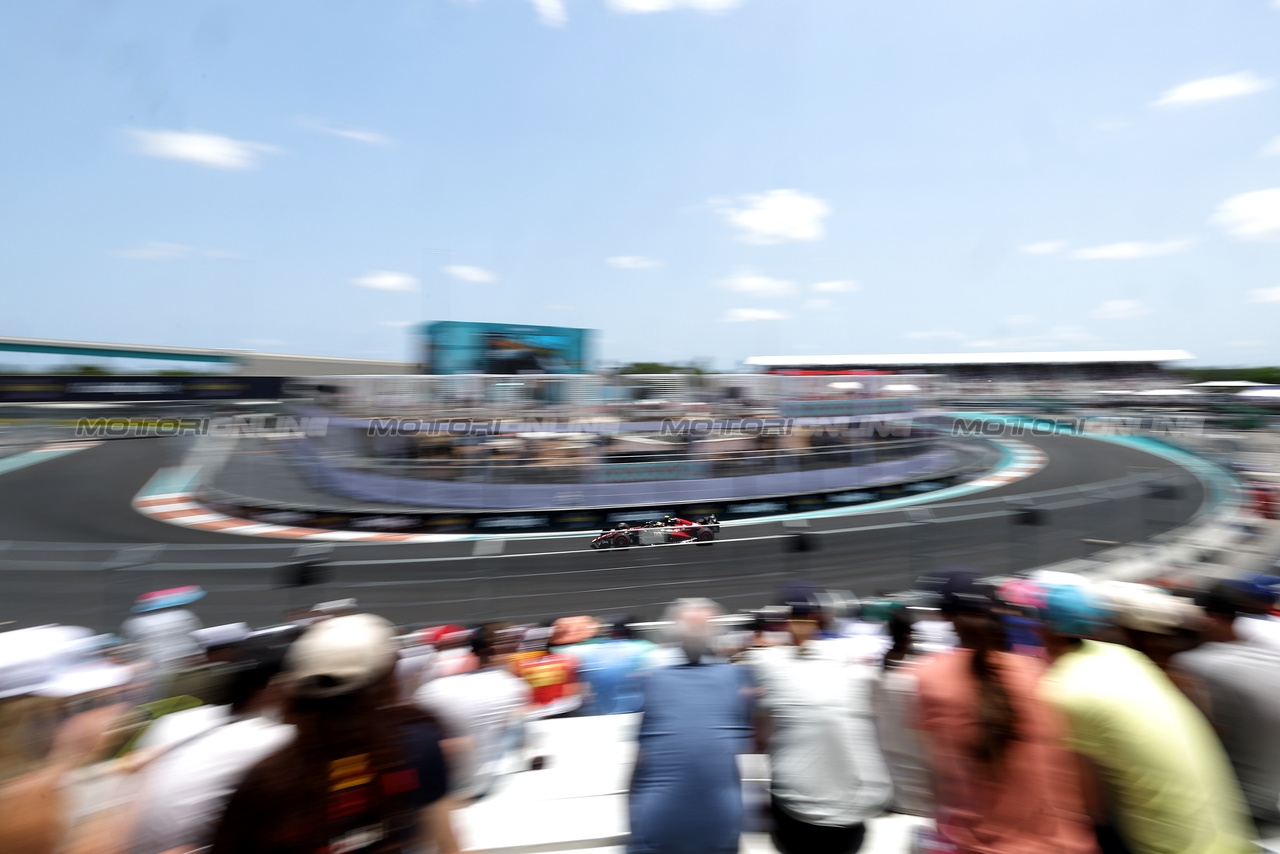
(649, 6)
(205, 149)
(753, 284)
(386, 280)
(1265, 294)
(1251, 216)
(843, 287)
(750, 315)
(551, 12)
(470, 274)
(1273, 147)
(156, 251)
(819, 303)
(368, 137)
(1213, 89)
(776, 216)
(1120, 309)
(1044, 247)
(935, 335)
(1132, 250)
(633, 262)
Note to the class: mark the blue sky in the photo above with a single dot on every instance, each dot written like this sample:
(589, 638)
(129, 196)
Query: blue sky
(694, 178)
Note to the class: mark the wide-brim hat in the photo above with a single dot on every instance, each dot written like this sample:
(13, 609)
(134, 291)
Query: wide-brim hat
(1143, 608)
(55, 661)
(171, 598)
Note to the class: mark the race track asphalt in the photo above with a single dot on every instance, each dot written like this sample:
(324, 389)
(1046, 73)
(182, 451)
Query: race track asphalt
(73, 550)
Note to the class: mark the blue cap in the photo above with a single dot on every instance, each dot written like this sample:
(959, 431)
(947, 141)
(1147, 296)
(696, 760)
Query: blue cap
(1075, 610)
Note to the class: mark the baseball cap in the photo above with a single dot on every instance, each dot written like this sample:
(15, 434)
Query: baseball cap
(341, 656)
(535, 639)
(1250, 595)
(228, 634)
(1074, 610)
(442, 634)
(959, 590)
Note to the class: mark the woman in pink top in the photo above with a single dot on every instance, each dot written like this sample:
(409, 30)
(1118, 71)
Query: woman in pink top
(1003, 783)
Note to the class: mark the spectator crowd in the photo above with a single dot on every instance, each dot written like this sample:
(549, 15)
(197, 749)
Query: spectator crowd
(1037, 715)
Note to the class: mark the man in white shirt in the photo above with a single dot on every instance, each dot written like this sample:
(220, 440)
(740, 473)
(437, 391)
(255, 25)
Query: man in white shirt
(481, 712)
(204, 754)
(829, 776)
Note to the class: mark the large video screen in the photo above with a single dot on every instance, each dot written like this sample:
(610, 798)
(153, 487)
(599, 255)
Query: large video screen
(455, 347)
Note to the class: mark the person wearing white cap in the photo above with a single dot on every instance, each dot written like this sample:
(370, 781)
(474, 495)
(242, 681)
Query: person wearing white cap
(363, 774)
(41, 671)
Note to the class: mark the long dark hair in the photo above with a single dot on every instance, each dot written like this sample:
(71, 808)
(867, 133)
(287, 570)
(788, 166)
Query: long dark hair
(997, 716)
(291, 787)
(900, 624)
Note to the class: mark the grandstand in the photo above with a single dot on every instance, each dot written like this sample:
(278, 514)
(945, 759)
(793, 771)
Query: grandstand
(1060, 373)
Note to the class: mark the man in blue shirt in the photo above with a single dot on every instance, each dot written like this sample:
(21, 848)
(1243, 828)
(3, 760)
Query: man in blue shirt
(686, 795)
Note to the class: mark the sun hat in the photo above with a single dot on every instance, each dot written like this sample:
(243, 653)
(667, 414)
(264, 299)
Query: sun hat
(56, 661)
(341, 656)
(1142, 608)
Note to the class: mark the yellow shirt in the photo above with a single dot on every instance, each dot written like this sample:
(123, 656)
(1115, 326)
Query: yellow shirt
(1167, 780)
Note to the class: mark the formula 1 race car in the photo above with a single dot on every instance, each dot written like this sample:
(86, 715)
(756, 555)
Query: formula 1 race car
(668, 529)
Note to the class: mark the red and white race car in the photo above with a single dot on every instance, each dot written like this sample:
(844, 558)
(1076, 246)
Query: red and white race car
(668, 529)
